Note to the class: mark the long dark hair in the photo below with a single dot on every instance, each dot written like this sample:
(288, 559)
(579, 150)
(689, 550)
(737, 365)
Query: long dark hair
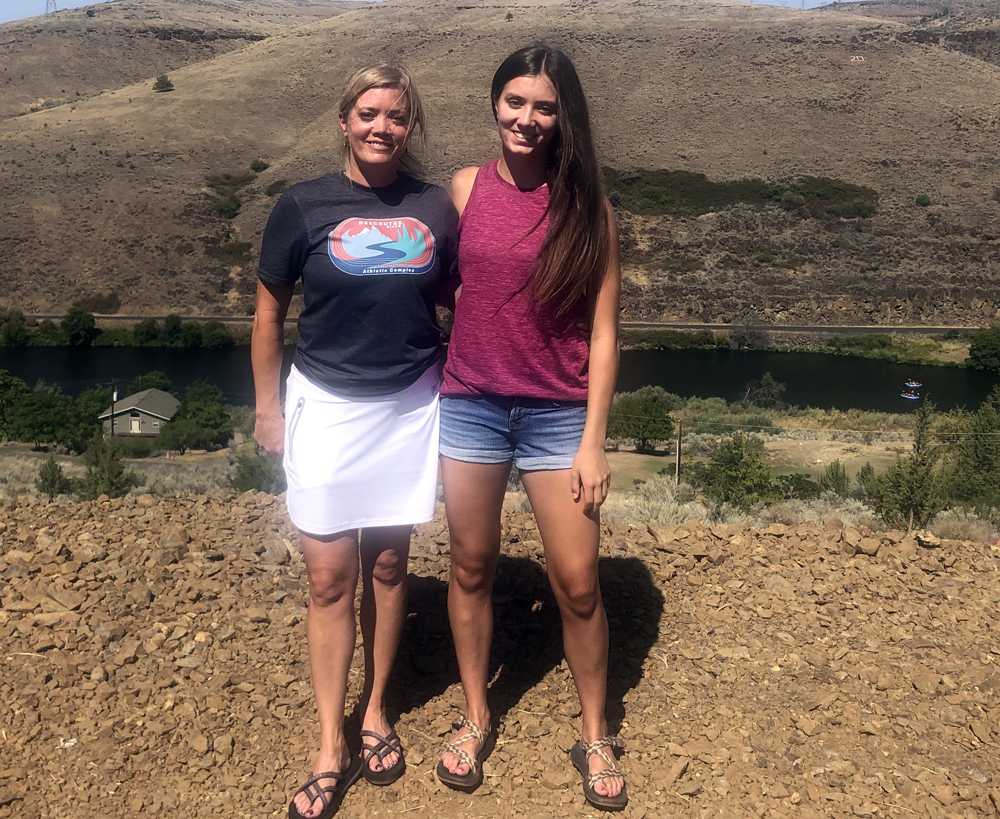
(574, 255)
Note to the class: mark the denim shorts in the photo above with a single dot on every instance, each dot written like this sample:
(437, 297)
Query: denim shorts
(532, 433)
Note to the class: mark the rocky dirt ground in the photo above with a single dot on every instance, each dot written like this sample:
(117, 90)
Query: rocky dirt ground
(154, 664)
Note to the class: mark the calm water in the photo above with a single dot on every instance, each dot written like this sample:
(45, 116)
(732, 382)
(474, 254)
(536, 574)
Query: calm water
(812, 379)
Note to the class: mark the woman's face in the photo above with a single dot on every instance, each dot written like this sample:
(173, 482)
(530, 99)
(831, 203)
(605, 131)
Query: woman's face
(528, 114)
(375, 126)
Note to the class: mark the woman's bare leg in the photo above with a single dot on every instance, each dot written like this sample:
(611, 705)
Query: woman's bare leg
(571, 537)
(332, 563)
(473, 500)
(384, 554)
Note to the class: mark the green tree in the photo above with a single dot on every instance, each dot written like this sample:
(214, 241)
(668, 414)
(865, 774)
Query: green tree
(643, 416)
(910, 492)
(52, 480)
(767, 392)
(834, 479)
(201, 422)
(42, 416)
(49, 334)
(984, 352)
(82, 422)
(867, 482)
(106, 472)
(79, 327)
(214, 334)
(202, 392)
(975, 469)
(146, 332)
(171, 333)
(153, 380)
(190, 338)
(162, 84)
(737, 472)
(13, 329)
(12, 392)
(250, 469)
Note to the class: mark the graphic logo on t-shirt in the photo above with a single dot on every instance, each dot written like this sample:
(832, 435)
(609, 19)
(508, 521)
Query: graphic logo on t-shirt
(382, 247)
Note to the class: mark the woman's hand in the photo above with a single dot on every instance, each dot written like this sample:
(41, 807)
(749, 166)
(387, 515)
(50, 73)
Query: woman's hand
(590, 476)
(269, 432)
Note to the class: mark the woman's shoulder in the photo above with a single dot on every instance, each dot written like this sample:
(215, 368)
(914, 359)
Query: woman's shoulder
(462, 183)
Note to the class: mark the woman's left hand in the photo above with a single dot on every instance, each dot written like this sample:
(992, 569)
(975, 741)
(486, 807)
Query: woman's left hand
(590, 476)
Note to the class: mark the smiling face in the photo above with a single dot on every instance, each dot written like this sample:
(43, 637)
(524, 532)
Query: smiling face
(376, 128)
(527, 113)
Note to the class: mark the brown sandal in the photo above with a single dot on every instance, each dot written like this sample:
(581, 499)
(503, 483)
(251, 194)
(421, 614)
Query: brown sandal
(580, 754)
(330, 796)
(474, 778)
(384, 745)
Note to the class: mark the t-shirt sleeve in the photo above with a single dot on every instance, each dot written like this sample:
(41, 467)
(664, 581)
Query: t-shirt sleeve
(285, 244)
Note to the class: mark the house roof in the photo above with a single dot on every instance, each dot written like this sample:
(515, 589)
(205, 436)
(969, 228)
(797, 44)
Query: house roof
(155, 402)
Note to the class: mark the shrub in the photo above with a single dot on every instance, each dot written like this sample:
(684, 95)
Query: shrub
(52, 480)
(797, 486)
(162, 84)
(250, 469)
(146, 332)
(259, 166)
(228, 207)
(79, 327)
(923, 200)
(910, 492)
(867, 482)
(737, 472)
(975, 469)
(963, 524)
(109, 302)
(984, 352)
(655, 501)
(12, 391)
(834, 479)
(106, 473)
(201, 422)
(13, 329)
(767, 392)
(642, 416)
(276, 187)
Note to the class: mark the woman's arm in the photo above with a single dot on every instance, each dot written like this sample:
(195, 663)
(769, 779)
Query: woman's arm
(266, 349)
(591, 475)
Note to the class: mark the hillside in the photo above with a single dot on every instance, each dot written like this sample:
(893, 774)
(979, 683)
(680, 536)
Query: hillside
(705, 93)
(75, 53)
(155, 665)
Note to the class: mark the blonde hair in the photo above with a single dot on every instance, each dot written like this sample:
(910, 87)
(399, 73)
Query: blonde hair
(386, 75)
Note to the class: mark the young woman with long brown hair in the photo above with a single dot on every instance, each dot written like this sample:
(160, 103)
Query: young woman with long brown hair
(528, 382)
(372, 245)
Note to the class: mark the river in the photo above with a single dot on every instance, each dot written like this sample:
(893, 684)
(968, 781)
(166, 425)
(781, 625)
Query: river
(812, 379)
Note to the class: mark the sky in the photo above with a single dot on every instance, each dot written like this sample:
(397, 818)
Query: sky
(16, 9)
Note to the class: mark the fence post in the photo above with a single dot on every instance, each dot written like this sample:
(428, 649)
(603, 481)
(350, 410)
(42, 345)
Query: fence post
(677, 462)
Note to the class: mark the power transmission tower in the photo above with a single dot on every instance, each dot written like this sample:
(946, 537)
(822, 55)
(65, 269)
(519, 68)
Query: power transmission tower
(50, 6)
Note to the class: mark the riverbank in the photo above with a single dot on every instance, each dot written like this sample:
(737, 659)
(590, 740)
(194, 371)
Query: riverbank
(950, 350)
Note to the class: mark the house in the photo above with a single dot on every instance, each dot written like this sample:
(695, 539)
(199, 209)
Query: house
(143, 413)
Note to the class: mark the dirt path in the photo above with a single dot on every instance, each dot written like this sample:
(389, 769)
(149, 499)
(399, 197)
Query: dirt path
(154, 665)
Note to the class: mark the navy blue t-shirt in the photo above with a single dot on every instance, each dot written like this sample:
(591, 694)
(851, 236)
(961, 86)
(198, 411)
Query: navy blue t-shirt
(371, 261)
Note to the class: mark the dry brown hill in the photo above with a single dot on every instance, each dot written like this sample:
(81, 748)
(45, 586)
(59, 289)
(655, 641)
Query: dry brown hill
(75, 53)
(155, 665)
(114, 193)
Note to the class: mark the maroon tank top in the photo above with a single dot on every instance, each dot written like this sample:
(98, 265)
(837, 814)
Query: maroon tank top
(503, 341)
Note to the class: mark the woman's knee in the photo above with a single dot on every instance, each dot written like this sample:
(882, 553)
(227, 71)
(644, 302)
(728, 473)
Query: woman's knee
(472, 570)
(389, 568)
(579, 596)
(332, 586)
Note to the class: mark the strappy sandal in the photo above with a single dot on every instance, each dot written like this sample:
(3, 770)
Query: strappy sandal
(581, 753)
(332, 795)
(384, 745)
(474, 778)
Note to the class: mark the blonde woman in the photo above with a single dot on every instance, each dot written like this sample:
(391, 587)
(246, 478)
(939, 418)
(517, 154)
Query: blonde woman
(372, 245)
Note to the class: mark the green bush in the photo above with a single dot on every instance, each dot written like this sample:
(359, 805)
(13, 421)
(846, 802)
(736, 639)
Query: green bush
(923, 200)
(767, 392)
(228, 207)
(13, 329)
(146, 332)
(52, 480)
(984, 352)
(974, 476)
(201, 422)
(834, 479)
(250, 469)
(79, 327)
(162, 84)
(276, 187)
(797, 486)
(910, 492)
(259, 166)
(642, 416)
(106, 473)
(737, 473)
(12, 392)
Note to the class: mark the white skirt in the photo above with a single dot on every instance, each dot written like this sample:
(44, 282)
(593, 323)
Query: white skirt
(352, 462)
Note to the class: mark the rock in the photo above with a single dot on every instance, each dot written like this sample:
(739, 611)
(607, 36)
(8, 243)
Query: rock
(868, 546)
(925, 681)
(927, 540)
(199, 743)
(174, 538)
(255, 614)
